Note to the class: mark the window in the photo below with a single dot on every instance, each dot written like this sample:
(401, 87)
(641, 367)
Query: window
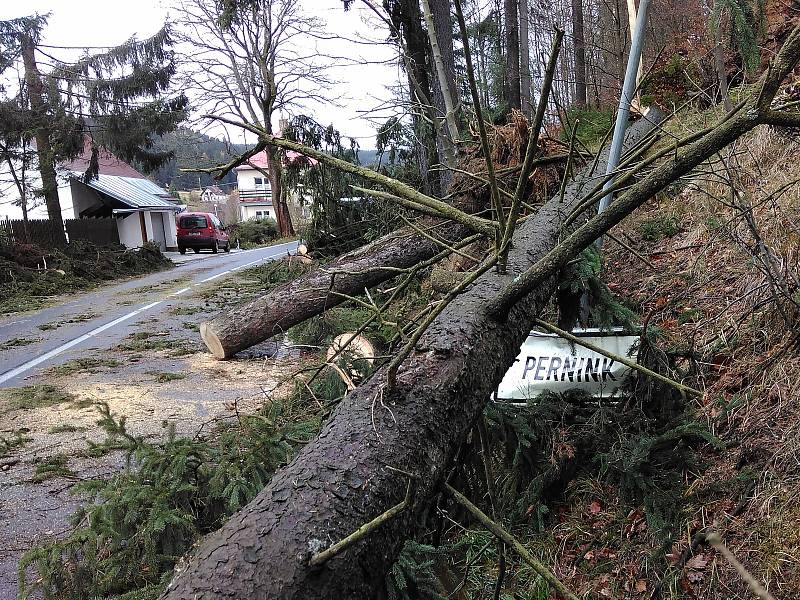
(259, 214)
(259, 182)
(193, 222)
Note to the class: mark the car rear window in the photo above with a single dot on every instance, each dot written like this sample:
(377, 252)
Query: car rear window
(193, 222)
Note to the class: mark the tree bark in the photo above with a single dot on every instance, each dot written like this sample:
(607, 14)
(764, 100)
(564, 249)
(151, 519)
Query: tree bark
(310, 295)
(579, 46)
(719, 66)
(341, 480)
(44, 149)
(407, 21)
(439, 45)
(512, 54)
(524, 59)
(284, 219)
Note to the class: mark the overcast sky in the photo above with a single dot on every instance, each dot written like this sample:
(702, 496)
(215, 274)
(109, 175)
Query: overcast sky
(111, 22)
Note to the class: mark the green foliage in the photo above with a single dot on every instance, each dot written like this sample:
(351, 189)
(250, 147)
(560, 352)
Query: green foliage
(538, 446)
(274, 273)
(743, 28)
(118, 98)
(521, 435)
(17, 342)
(25, 285)
(194, 149)
(84, 365)
(254, 232)
(321, 329)
(51, 468)
(137, 524)
(339, 221)
(32, 396)
(659, 227)
(396, 150)
(65, 428)
(672, 81)
(594, 124)
(166, 376)
(582, 276)
(8, 444)
(412, 576)
(648, 467)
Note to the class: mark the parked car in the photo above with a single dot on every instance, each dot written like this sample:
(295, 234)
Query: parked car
(198, 230)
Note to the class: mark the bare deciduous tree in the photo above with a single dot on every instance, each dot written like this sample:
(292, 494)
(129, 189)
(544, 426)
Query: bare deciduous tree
(254, 66)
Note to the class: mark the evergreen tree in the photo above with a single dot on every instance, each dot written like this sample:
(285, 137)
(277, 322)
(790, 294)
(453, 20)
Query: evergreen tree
(118, 99)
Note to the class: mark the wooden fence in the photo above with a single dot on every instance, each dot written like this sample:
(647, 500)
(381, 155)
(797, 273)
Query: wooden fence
(44, 232)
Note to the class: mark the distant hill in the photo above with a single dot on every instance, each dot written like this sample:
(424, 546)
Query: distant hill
(194, 150)
(368, 157)
(197, 150)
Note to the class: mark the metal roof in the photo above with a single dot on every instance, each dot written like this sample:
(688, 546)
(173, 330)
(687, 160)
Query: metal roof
(133, 192)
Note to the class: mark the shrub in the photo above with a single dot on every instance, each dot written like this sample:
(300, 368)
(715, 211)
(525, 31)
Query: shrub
(593, 125)
(659, 227)
(254, 232)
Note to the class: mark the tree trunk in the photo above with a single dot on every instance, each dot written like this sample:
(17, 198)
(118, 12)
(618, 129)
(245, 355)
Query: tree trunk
(579, 45)
(524, 59)
(309, 295)
(441, 42)
(719, 67)
(341, 480)
(278, 197)
(512, 54)
(407, 22)
(47, 166)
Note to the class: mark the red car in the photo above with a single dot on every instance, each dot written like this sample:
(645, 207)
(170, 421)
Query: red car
(197, 230)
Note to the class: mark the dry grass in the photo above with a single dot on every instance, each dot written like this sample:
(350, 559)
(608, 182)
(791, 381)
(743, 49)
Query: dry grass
(725, 295)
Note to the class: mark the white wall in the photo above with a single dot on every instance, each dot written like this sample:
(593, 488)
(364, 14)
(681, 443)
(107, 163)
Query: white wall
(148, 224)
(249, 211)
(129, 228)
(171, 228)
(10, 211)
(245, 179)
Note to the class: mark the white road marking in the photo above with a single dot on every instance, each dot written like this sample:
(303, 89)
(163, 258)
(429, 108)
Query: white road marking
(72, 343)
(213, 277)
(56, 351)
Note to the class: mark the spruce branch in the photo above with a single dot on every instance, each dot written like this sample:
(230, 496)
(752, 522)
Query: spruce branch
(513, 543)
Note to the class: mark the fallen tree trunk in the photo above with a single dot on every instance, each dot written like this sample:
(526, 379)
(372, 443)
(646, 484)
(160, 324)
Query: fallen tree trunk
(341, 480)
(354, 470)
(320, 289)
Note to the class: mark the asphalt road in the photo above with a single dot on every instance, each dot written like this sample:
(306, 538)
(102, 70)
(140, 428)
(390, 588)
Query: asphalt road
(103, 317)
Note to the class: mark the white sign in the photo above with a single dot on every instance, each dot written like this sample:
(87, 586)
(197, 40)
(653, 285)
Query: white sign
(547, 362)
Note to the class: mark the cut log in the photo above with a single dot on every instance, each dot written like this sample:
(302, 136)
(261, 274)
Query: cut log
(309, 295)
(349, 474)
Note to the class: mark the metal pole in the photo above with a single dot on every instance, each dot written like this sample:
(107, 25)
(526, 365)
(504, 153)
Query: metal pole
(625, 99)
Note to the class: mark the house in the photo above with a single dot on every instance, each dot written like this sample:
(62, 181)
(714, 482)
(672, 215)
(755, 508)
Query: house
(143, 211)
(255, 191)
(214, 195)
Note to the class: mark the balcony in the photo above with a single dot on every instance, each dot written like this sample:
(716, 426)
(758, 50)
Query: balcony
(257, 195)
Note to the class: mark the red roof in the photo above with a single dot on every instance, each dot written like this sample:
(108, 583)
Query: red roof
(109, 164)
(260, 160)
